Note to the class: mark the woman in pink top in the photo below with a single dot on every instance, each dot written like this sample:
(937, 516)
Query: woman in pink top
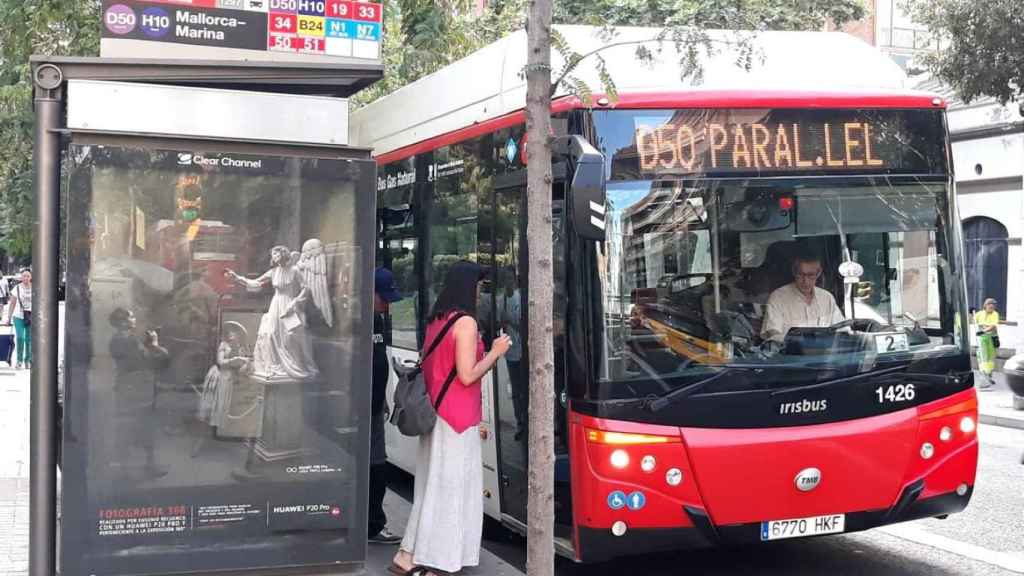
(445, 525)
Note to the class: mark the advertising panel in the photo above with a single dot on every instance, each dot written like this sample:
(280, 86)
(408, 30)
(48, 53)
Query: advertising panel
(215, 413)
(270, 30)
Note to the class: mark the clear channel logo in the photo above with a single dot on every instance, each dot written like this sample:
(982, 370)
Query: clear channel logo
(189, 159)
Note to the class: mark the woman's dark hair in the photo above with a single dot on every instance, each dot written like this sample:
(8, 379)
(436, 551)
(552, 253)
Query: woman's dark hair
(459, 292)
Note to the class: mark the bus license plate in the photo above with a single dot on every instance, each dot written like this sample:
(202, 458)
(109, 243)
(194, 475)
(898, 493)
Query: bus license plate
(800, 527)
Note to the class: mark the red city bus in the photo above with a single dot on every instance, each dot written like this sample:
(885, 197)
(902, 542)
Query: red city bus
(759, 302)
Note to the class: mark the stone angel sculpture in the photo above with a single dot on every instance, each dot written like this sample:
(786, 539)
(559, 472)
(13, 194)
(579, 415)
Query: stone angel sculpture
(284, 347)
(313, 264)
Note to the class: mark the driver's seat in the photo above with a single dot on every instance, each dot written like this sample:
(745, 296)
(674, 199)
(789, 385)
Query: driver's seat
(776, 271)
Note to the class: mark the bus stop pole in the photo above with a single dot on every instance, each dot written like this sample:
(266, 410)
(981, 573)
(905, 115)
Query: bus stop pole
(45, 260)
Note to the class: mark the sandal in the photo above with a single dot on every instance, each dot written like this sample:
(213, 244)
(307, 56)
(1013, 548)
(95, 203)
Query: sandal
(424, 571)
(397, 570)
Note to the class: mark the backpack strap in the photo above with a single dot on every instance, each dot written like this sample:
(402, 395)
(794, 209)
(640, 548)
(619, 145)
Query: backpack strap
(444, 389)
(451, 375)
(440, 335)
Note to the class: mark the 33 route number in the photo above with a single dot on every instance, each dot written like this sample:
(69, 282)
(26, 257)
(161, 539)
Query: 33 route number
(895, 393)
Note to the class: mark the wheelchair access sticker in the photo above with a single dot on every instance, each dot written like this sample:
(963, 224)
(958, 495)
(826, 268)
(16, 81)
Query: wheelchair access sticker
(617, 500)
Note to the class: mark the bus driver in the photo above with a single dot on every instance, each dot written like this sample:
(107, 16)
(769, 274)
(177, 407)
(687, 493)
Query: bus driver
(800, 303)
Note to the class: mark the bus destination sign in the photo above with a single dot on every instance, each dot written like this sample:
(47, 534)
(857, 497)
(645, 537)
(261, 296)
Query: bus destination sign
(271, 30)
(759, 146)
(781, 141)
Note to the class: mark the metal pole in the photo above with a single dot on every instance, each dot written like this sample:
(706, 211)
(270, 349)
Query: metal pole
(45, 254)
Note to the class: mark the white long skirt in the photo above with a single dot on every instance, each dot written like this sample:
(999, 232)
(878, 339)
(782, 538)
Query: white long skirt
(447, 516)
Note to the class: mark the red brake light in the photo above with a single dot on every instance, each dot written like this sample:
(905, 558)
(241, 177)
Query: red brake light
(786, 203)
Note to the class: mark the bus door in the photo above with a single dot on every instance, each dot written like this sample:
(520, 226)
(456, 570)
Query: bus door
(512, 372)
(511, 391)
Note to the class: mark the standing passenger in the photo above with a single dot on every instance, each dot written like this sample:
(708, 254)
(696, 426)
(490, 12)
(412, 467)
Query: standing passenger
(510, 316)
(445, 525)
(384, 294)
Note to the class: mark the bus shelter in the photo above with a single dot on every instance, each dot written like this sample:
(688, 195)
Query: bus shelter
(205, 217)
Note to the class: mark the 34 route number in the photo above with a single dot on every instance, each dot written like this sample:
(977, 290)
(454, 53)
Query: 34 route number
(895, 393)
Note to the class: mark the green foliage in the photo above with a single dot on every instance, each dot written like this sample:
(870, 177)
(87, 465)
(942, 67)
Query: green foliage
(684, 24)
(720, 14)
(423, 36)
(58, 27)
(982, 52)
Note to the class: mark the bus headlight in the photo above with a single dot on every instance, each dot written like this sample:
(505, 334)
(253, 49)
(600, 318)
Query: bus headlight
(946, 434)
(674, 477)
(967, 425)
(620, 459)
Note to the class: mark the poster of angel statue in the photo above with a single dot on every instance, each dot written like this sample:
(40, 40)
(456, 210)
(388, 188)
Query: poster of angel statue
(284, 346)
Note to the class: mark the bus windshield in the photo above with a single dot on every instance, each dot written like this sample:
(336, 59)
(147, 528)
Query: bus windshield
(789, 273)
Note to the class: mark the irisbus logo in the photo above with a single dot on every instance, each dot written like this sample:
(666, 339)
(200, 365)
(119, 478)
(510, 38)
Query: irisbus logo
(803, 406)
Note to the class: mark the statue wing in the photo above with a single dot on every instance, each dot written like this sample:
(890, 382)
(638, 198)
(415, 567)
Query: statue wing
(314, 273)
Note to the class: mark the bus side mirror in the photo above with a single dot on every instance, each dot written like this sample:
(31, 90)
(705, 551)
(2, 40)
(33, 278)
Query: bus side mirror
(586, 193)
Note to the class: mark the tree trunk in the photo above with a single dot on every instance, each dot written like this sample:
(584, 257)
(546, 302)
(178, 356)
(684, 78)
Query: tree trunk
(540, 513)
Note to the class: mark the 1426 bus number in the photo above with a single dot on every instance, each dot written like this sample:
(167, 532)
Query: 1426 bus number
(895, 393)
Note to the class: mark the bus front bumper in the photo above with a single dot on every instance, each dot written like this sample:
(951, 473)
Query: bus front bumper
(598, 544)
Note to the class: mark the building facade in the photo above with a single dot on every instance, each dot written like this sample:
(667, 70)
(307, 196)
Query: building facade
(988, 159)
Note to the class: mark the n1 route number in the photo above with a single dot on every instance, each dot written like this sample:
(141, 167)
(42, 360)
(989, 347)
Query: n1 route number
(895, 393)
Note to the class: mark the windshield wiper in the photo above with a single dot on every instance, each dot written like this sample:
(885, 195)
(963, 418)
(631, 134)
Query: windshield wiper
(661, 402)
(666, 400)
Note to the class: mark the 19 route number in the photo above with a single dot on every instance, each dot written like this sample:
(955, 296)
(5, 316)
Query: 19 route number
(895, 393)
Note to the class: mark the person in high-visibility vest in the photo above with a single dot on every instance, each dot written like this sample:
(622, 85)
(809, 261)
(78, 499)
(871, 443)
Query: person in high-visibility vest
(987, 320)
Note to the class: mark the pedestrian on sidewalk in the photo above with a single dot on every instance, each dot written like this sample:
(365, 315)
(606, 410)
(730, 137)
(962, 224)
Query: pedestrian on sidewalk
(20, 313)
(987, 320)
(445, 524)
(384, 294)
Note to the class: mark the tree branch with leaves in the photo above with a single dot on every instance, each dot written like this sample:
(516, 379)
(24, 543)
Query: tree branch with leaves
(980, 49)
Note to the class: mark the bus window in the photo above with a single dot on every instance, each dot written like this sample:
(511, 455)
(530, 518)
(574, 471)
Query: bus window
(683, 293)
(454, 218)
(398, 242)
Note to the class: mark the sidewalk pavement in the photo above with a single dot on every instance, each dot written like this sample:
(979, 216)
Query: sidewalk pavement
(14, 414)
(995, 405)
(378, 556)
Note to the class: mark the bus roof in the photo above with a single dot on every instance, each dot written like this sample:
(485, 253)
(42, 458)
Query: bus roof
(487, 84)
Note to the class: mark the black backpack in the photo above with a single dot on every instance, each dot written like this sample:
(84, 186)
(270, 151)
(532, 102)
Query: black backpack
(412, 410)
